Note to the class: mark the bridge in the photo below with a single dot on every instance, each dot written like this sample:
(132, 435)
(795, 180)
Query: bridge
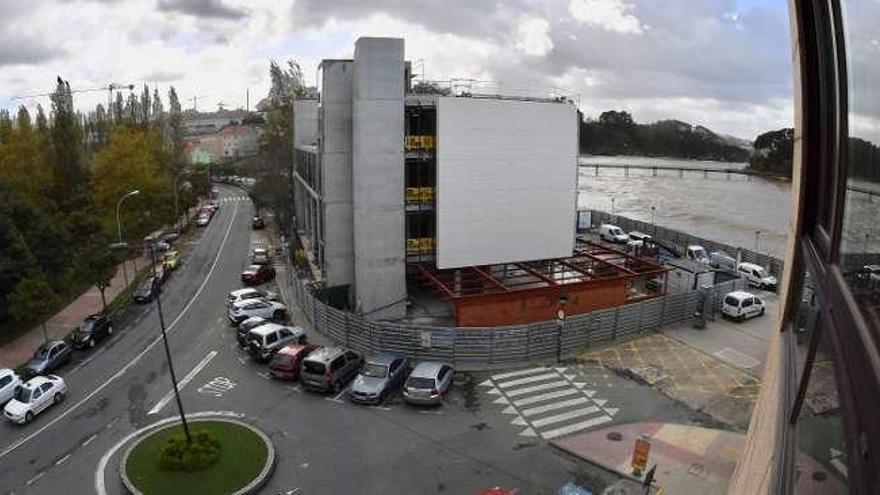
(727, 171)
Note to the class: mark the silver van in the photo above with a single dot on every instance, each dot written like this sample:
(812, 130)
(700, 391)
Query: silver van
(328, 369)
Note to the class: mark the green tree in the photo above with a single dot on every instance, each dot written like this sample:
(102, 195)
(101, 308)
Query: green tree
(175, 127)
(773, 152)
(70, 177)
(100, 267)
(33, 300)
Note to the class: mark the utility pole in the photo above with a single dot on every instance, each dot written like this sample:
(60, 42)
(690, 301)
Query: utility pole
(168, 350)
(757, 234)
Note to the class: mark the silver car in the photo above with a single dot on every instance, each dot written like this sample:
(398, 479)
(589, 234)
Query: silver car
(427, 383)
(381, 374)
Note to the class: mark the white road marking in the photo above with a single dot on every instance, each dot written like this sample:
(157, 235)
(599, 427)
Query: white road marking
(89, 440)
(100, 484)
(62, 460)
(182, 383)
(35, 478)
(531, 371)
(264, 375)
(565, 430)
(558, 418)
(435, 413)
(556, 405)
(546, 397)
(131, 363)
(530, 379)
(217, 386)
(528, 432)
(536, 388)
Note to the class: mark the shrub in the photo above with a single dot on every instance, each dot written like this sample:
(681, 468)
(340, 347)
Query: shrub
(178, 455)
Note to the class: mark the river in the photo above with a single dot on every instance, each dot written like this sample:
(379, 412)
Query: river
(727, 210)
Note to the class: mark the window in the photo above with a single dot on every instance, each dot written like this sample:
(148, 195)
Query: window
(337, 363)
(54, 352)
(271, 338)
(36, 394)
(46, 387)
(443, 372)
(5, 380)
(285, 333)
(747, 302)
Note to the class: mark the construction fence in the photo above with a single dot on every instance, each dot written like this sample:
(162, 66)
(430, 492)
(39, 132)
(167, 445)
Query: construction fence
(472, 348)
(682, 240)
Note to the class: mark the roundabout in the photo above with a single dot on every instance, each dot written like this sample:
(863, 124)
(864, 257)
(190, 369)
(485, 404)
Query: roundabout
(245, 461)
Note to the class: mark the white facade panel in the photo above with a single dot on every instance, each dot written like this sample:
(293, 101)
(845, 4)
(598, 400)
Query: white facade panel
(506, 181)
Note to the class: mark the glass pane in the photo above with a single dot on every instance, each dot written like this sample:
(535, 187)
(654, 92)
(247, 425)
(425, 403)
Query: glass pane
(860, 240)
(821, 464)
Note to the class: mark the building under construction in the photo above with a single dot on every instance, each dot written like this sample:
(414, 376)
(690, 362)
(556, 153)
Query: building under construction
(471, 196)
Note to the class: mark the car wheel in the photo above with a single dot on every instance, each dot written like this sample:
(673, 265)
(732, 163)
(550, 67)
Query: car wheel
(28, 417)
(58, 398)
(91, 343)
(761, 313)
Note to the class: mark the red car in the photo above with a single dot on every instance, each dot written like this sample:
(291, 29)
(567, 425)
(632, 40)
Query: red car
(257, 274)
(286, 362)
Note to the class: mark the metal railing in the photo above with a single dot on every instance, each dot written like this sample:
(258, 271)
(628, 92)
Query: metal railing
(470, 348)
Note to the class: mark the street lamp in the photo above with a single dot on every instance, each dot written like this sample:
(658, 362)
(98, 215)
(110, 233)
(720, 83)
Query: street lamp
(757, 234)
(152, 248)
(119, 228)
(612, 206)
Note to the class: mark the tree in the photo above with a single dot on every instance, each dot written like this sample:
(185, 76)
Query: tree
(70, 177)
(430, 88)
(118, 109)
(146, 107)
(773, 152)
(175, 127)
(101, 268)
(33, 299)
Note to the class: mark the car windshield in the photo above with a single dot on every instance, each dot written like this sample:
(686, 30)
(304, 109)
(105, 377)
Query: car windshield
(86, 326)
(42, 352)
(314, 367)
(281, 360)
(730, 300)
(375, 370)
(420, 382)
(23, 394)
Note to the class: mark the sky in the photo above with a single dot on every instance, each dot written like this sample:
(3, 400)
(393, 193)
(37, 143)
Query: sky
(724, 64)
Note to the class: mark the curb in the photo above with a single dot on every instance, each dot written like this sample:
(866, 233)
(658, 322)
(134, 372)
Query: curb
(252, 487)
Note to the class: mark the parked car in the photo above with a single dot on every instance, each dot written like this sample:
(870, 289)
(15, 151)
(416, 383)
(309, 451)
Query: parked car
(381, 374)
(93, 329)
(161, 246)
(612, 233)
(9, 380)
(149, 288)
(171, 237)
(722, 261)
(215, 205)
(635, 235)
(34, 397)
(261, 256)
(246, 326)
(49, 357)
(328, 369)
(427, 383)
(756, 276)
(286, 363)
(740, 305)
(265, 340)
(171, 260)
(698, 254)
(257, 274)
(243, 310)
(203, 220)
(250, 293)
(258, 223)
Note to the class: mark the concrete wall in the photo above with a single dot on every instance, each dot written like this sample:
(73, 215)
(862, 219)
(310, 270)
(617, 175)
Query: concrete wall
(335, 148)
(377, 165)
(305, 120)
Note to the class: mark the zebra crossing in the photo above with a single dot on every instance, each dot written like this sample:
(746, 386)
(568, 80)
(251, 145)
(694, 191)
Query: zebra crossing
(233, 199)
(548, 402)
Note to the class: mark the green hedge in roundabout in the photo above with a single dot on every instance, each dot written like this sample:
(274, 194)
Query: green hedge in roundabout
(224, 457)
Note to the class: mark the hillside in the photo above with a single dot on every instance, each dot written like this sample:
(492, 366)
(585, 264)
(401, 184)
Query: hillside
(615, 133)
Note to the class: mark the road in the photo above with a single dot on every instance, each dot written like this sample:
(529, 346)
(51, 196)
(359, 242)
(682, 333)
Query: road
(325, 444)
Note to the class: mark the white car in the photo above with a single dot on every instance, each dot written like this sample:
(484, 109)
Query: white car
(698, 254)
(242, 310)
(203, 220)
(34, 397)
(741, 305)
(249, 293)
(756, 276)
(8, 381)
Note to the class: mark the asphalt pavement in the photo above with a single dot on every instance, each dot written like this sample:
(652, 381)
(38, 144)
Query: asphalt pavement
(325, 444)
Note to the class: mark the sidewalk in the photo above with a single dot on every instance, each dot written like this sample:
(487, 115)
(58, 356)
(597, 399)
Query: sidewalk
(689, 459)
(18, 351)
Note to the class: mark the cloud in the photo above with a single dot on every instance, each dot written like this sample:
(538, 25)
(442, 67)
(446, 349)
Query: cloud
(25, 50)
(611, 15)
(532, 37)
(163, 76)
(214, 9)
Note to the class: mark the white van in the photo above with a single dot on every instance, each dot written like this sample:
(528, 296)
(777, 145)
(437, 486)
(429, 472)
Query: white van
(740, 305)
(612, 233)
(698, 254)
(756, 276)
(722, 261)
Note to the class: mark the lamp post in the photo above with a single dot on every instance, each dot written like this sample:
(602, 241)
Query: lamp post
(612, 206)
(119, 228)
(757, 234)
(152, 248)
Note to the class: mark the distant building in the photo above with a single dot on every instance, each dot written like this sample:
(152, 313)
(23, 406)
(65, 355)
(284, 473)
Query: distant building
(195, 124)
(232, 142)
